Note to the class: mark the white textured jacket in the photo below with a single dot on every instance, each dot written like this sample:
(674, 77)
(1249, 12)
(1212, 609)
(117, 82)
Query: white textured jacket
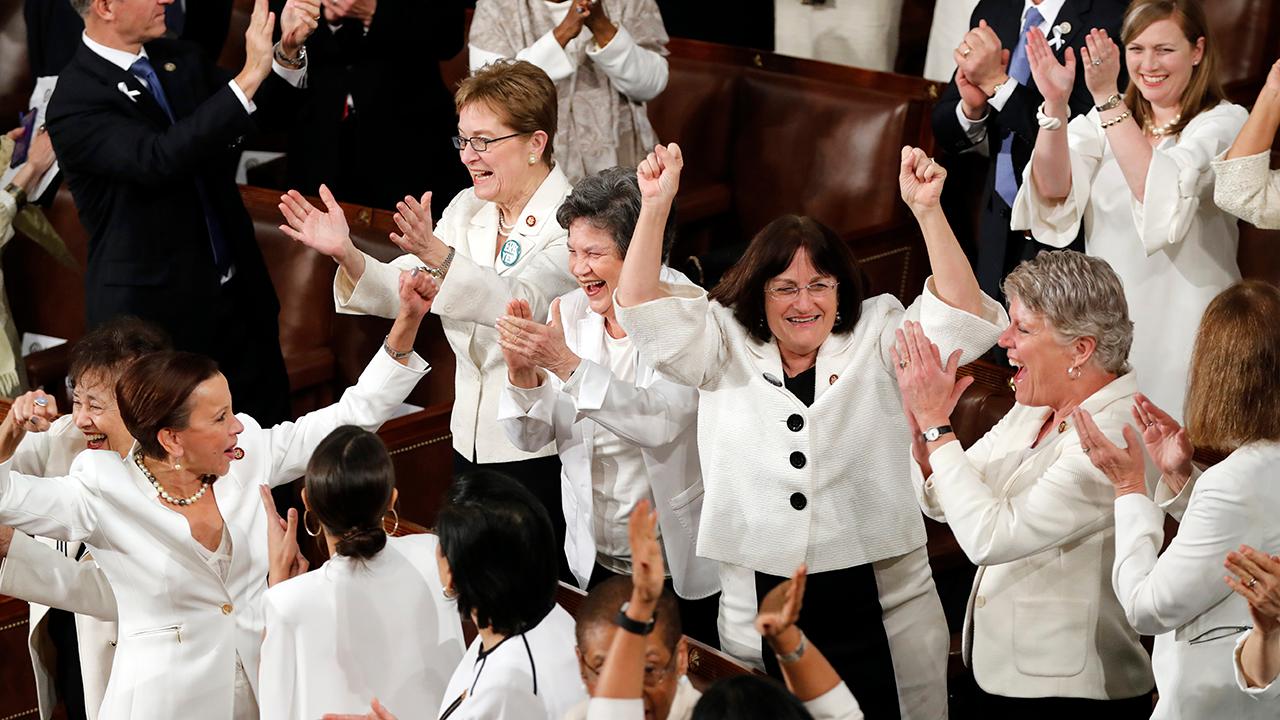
(655, 414)
(1249, 189)
(181, 626)
(473, 295)
(1042, 619)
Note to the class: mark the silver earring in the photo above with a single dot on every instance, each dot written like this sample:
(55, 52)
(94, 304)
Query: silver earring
(837, 317)
(1073, 372)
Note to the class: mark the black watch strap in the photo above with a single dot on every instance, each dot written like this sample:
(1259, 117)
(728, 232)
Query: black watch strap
(934, 433)
(634, 626)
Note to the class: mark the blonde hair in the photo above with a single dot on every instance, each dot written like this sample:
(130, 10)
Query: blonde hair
(519, 93)
(1204, 90)
(1079, 296)
(1234, 388)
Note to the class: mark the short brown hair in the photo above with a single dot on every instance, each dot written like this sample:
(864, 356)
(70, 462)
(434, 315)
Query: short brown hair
(107, 350)
(1234, 388)
(1204, 90)
(154, 393)
(769, 255)
(519, 93)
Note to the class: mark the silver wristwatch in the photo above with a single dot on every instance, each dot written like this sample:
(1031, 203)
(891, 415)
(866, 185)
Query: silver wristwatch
(934, 433)
(1111, 103)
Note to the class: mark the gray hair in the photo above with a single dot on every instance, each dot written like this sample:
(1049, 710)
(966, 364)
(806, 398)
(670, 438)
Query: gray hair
(81, 6)
(610, 200)
(1080, 296)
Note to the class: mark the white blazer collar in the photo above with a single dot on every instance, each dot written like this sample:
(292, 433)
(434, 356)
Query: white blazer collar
(528, 235)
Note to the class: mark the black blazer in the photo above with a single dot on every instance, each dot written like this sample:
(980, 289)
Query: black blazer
(134, 178)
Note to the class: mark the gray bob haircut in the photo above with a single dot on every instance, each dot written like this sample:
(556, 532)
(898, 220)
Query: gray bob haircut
(610, 201)
(1080, 296)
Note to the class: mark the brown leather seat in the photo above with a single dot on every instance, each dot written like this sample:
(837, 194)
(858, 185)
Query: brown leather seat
(1248, 36)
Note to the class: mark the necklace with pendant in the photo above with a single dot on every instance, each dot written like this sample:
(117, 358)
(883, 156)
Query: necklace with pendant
(164, 494)
(1162, 130)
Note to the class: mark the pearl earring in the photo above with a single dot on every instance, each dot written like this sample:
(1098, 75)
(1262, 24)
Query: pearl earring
(532, 159)
(177, 465)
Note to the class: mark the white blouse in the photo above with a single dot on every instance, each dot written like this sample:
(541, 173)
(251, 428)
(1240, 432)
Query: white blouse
(527, 676)
(351, 630)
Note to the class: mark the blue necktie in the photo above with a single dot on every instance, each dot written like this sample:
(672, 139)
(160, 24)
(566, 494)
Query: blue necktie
(1020, 71)
(221, 253)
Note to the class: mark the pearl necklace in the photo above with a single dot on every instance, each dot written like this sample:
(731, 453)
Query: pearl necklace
(164, 494)
(503, 228)
(1162, 130)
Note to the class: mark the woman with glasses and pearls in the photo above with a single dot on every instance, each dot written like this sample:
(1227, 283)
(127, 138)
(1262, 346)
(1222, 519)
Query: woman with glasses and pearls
(804, 452)
(178, 527)
(372, 622)
(497, 240)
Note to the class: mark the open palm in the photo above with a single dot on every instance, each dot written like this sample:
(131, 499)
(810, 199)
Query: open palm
(325, 232)
(1167, 442)
(1054, 79)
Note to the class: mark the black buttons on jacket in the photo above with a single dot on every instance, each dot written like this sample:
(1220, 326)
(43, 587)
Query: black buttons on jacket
(797, 460)
(795, 423)
(799, 501)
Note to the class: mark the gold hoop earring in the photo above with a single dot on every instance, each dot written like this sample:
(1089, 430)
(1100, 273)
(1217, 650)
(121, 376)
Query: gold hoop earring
(307, 528)
(396, 527)
(449, 593)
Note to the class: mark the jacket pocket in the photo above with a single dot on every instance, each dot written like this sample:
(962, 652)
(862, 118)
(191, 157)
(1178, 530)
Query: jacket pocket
(1051, 637)
(174, 630)
(687, 507)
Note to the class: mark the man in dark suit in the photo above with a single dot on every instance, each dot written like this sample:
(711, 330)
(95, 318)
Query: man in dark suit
(378, 119)
(146, 130)
(990, 106)
(54, 28)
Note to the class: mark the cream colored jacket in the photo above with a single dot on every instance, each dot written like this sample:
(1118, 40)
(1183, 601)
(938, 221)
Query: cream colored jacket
(1248, 189)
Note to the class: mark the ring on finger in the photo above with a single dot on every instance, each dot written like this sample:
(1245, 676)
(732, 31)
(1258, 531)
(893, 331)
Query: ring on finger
(1252, 581)
(964, 51)
(902, 364)
(1097, 62)
(1086, 449)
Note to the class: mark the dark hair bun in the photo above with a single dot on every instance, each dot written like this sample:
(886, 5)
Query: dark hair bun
(362, 543)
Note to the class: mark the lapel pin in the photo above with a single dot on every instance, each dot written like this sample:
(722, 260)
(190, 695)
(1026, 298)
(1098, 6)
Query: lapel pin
(170, 67)
(131, 94)
(238, 453)
(832, 380)
(1056, 42)
(531, 221)
(1062, 426)
(773, 379)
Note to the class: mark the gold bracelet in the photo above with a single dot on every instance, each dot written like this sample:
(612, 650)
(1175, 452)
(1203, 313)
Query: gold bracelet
(1116, 120)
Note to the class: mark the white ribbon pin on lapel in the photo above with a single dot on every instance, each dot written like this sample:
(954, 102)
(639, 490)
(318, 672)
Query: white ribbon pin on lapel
(131, 94)
(1056, 42)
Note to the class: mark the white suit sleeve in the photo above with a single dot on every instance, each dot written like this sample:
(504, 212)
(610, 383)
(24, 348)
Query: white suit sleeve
(545, 52)
(1247, 188)
(837, 703)
(615, 709)
(1181, 178)
(58, 508)
(377, 292)
(1160, 595)
(977, 456)
(949, 328)
(646, 417)
(638, 72)
(38, 573)
(1058, 223)
(679, 335)
(381, 389)
(472, 293)
(527, 415)
(1071, 500)
(278, 664)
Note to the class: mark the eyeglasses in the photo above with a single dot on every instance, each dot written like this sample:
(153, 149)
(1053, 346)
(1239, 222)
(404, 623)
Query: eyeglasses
(653, 675)
(819, 289)
(479, 144)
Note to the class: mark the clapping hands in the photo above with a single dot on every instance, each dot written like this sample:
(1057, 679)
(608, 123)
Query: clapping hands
(1101, 59)
(1054, 79)
(325, 232)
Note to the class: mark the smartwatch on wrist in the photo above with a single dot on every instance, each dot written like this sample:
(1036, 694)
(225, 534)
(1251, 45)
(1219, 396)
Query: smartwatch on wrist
(634, 627)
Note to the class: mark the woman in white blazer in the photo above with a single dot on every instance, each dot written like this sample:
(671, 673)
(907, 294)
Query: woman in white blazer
(1043, 630)
(1256, 660)
(372, 622)
(623, 432)
(1136, 174)
(1247, 187)
(1179, 597)
(177, 527)
(497, 240)
(800, 430)
(50, 573)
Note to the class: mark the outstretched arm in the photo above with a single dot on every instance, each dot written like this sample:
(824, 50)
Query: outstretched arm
(1259, 132)
(921, 180)
(659, 176)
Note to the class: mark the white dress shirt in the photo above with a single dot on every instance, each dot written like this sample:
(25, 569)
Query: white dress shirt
(1179, 596)
(525, 677)
(352, 630)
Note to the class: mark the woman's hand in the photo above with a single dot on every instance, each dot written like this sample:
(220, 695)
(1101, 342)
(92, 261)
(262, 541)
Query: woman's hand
(929, 389)
(1124, 467)
(284, 558)
(1257, 579)
(413, 217)
(1055, 80)
(417, 291)
(659, 175)
(542, 345)
(32, 412)
(1101, 59)
(647, 569)
(571, 26)
(325, 232)
(597, 20)
(522, 372)
(40, 156)
(298, 20)
(1167, 442)
(779, 611)
(920, 180)
(376, 712)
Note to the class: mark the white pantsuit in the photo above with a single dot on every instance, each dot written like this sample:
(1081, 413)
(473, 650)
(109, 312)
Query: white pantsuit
(1042, 619)
(653, 413)
(184, 629)
(473, 295)
(1179, 596)
(827, 485)
(1248, 188)
(1174, 252)
(353, 630)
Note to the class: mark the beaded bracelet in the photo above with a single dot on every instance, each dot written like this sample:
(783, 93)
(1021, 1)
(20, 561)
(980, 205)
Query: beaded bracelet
(1116, 120)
